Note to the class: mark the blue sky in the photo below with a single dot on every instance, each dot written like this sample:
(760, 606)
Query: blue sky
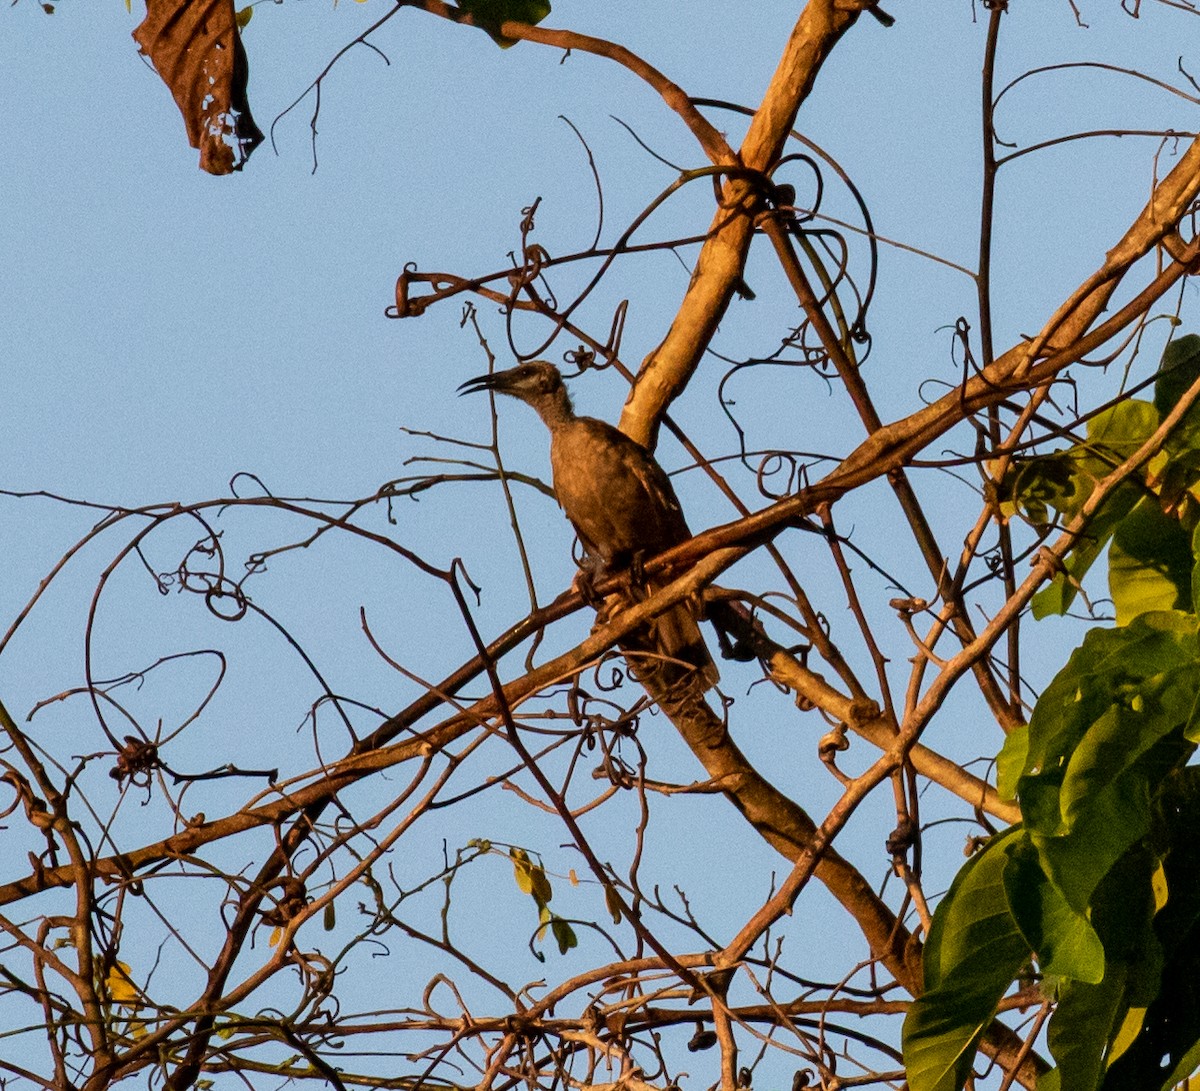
(165, 330)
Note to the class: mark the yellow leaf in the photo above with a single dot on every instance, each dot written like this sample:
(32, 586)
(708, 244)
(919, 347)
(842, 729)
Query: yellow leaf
(573, 877)
(276, 936)
(1130, 1028)
(244, 15)
(1158, 882)
(119, 985)
(522, 870)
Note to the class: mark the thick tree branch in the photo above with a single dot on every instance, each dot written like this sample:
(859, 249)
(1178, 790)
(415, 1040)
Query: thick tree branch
(722, 259)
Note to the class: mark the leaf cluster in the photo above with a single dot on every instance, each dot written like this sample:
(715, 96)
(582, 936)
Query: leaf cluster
(1096, 888)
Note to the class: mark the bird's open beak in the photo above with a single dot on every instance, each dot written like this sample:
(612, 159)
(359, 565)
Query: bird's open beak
(483, 382)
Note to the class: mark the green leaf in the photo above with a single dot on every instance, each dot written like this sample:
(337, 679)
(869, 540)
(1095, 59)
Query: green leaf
(1064, 480)
(1150, 563)
(564, 935)
(613, 902)
(1037, 485)
(941, 1032)
(1092, 1019)
(1077, 863)
(973, 953)
(1143, 712)
(972, 928)
(1123, 689)
(1058, 595)
(1011, 761)
(1113, 435)
(1196, 569)
(489, 14)
(1062, 940)
(1166, 1049)
(1114, 821)
(1178, 370)
(1081, 1027)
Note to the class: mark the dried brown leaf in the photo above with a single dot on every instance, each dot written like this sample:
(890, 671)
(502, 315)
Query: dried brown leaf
(196, 49)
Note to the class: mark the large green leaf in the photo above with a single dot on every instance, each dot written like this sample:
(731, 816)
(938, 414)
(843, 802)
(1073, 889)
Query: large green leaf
(972, 927)
(1116, 720)
(1064, 943)
(1166, 1049)
(1116, 433)
(1081, 1027)
(973, 953)
(1196, 569)
(1092, 1018)
(1034, 762)
(1077, 862)
(1150, 563)
(1115, 820)
(1178, 370)
(941, 1033)
(1121, 691)
(1144, 710)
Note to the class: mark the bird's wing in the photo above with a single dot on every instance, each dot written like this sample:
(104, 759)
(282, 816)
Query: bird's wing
(613, 492)
(664, 524)
(662, 501)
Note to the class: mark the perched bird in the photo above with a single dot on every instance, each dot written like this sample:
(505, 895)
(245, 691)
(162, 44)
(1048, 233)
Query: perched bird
(615, 495)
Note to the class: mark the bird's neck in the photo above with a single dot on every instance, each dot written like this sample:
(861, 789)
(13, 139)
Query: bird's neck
(555, 409)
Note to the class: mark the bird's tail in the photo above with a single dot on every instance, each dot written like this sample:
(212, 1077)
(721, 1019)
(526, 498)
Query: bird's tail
(674, 637)
(677, 636)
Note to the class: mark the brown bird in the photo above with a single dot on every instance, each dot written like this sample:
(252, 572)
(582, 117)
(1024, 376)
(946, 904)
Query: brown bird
(615, 495)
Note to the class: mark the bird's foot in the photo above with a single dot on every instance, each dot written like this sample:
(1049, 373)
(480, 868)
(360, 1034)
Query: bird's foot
(585, 584)
(633, 577)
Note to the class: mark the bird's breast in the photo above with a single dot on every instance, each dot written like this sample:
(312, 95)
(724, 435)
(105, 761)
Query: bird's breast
(617, 498)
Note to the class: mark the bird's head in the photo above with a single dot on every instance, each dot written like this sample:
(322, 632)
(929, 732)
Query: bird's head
(534, 382)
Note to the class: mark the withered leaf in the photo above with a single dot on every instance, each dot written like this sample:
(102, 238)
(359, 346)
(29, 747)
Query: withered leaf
(195, 47)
